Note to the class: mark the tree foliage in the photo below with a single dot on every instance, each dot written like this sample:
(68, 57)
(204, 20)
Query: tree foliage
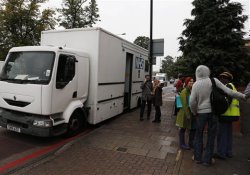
(214, 38)
(75, 14)
(21, 23)
(167, 66)
(142, 41)
(174, 67)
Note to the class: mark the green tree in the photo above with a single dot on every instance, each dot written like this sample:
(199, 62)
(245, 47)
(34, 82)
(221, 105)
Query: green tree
(167, 66)
(214, 38)
(75, 14)
(174, 67)
(21, 23)
(142, 41)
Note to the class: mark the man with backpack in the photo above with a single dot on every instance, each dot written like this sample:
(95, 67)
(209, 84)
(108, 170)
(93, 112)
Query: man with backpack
(200, 106)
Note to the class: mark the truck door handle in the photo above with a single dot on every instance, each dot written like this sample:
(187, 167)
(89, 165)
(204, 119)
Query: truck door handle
(74, 94)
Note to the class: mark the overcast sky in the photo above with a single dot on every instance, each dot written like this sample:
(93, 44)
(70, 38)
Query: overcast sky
(132, 17)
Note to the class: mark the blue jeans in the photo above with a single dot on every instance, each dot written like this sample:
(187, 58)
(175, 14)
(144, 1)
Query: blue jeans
(201, 121)
(225, 139)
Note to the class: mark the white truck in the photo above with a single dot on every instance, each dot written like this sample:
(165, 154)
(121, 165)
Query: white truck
(1, 65)
(162, 77)
(75, 77)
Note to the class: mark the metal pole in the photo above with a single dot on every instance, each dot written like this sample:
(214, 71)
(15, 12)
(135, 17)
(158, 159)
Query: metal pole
(151, 40)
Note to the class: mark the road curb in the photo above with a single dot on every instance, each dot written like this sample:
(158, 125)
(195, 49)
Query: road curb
(47, 156)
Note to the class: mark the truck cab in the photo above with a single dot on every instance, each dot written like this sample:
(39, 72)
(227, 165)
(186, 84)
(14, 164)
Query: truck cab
(43, 90)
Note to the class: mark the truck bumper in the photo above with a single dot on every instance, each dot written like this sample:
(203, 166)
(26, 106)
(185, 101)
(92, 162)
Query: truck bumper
(23, 123)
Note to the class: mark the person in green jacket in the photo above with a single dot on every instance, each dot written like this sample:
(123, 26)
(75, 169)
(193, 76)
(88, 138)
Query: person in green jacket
(184, 117)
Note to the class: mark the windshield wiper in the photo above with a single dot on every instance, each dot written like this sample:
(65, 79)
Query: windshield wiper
(34, 81)
(19, 81)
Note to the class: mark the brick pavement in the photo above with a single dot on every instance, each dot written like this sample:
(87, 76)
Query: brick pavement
(123, 145)
(238, 165)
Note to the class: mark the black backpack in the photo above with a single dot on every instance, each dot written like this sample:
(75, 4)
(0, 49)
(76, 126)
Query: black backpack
(219, 100)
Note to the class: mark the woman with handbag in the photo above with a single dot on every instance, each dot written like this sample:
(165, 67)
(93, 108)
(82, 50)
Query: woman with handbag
(157, 100)
(184, 116)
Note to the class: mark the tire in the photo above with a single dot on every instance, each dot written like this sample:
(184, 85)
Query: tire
(77, 123)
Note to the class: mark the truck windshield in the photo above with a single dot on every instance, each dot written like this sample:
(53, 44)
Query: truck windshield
(28, 67)
(161, 78)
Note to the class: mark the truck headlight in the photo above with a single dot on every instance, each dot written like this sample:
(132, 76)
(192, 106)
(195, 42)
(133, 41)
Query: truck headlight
(42, 123)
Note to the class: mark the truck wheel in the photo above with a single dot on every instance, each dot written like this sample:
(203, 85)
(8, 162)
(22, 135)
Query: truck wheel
(77, 123)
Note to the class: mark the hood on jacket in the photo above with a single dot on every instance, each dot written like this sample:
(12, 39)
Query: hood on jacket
(202, 72)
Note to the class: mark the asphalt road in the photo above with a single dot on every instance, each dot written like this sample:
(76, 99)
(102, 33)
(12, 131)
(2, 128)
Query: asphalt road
(14, 143)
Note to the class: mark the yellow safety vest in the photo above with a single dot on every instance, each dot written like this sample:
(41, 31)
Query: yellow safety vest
(234, 108)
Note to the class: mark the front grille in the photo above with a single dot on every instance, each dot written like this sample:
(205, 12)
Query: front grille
(17, 103)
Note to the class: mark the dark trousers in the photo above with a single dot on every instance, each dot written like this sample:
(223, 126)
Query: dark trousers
(225, 139)
(192, 132)
(157, 113)
(190, 138)
(143, 104)
(201, 121)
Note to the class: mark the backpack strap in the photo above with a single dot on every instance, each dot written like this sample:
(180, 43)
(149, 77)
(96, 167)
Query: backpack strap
(213, 82)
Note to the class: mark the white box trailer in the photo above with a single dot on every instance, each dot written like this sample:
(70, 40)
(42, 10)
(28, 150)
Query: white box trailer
(108, 73)
(162, 77)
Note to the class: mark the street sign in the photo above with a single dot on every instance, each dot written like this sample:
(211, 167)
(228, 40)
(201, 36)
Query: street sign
(158, 47)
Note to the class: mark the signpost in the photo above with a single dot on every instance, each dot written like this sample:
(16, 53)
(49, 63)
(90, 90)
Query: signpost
(158, 47)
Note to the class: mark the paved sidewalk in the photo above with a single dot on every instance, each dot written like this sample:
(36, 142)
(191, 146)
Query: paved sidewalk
(127, 146)
(238, 165)
(123, 145)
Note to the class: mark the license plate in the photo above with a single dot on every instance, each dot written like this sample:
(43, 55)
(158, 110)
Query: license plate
(13, 128)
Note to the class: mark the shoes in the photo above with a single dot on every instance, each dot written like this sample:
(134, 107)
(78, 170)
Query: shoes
(198, 162)
(156, 121)
(217, 156)
(208, 163)
(229, 155)
(185, 147)
(141, 119)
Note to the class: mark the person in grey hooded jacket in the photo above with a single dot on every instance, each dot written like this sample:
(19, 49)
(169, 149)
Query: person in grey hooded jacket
(247, 90)
(200, 106)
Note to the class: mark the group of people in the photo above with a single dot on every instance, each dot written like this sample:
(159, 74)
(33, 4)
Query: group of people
(151, 93)
(196, 112)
